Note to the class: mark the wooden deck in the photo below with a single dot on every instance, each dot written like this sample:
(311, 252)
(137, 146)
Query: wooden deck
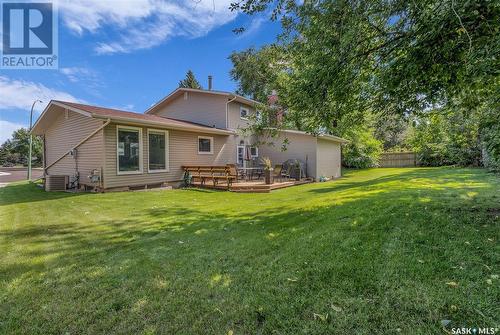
(253, 186)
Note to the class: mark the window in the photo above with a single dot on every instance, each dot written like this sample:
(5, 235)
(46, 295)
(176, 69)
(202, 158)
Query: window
(240, 153)
(157, 150)
(205, 145)
(128, 150)
(244, 113)
(254, 152)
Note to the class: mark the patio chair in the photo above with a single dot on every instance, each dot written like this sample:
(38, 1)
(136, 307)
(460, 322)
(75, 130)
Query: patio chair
(237, 173)
(277, 172)
(286, 173)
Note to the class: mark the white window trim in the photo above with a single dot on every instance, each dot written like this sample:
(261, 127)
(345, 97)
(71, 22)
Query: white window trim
(118, 172)
(256, 152)
(167, 158)
(211, 145)
(244, 109)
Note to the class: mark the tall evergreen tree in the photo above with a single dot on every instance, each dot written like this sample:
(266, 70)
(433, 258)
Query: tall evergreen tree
(190, 81)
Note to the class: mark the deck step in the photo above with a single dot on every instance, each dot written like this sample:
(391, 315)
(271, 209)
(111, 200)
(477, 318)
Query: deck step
(250, 190)
(248, 187)
(257, 187)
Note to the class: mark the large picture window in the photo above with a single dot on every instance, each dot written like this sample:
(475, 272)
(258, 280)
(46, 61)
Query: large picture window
(129, 150)
(205, 145)
(157, 150)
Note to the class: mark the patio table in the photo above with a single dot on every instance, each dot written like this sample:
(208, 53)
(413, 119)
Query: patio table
(249, 171)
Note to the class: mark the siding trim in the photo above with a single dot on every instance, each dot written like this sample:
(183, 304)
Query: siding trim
(118, 172)
(79, 143)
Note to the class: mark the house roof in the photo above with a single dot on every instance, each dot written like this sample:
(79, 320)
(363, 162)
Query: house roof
(177, 92)
(127, 117)
(145, 119)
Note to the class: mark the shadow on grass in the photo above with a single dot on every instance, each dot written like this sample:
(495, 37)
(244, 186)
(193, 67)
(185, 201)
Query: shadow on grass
(25, 192)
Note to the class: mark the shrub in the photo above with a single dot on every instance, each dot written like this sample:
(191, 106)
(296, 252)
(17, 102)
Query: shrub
(363, 149)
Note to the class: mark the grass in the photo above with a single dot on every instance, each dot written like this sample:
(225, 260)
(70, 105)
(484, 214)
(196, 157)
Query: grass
(381, 251)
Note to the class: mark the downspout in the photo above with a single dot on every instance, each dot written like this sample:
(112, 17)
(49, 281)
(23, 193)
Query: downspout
(227, 111)
(79, 143)
(44, 153)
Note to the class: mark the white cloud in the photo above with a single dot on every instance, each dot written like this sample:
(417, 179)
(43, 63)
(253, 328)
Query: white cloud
(76, 74)
(20, 94)
(254, 26)
(7, 128)
(143, 24)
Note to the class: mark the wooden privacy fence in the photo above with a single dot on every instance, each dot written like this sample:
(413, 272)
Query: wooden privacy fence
(398, 159)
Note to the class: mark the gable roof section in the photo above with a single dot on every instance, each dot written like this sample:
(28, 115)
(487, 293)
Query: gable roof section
(126, 117)
(177, 92)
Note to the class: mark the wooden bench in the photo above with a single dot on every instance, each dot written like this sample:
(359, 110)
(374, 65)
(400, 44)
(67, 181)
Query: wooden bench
(213, 173)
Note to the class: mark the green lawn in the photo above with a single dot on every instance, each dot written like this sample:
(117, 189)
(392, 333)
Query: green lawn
(380, 251)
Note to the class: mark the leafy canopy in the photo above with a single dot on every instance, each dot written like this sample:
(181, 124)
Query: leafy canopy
(347, 57)
(338, 63)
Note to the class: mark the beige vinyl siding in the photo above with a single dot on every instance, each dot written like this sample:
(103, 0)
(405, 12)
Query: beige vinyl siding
(301, 146)
(234, 119)
(328, 159)
(196, 107)
(63, 135)
(183, 150)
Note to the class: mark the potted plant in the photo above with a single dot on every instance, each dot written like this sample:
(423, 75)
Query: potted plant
(268, 170)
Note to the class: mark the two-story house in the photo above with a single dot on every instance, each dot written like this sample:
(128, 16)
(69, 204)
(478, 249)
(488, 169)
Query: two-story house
(187, 127)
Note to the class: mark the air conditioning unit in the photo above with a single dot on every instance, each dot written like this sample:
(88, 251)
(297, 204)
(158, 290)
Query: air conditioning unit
(56, 182)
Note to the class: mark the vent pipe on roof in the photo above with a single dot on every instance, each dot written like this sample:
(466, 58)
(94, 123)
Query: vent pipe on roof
(210, 83)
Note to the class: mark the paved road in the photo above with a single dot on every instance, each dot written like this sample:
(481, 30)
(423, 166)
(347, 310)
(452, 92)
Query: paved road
(8, 176)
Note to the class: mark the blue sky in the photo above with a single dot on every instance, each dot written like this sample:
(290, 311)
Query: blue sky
(130, 54)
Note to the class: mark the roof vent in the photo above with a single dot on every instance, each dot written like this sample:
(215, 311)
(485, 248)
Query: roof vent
(210, 83)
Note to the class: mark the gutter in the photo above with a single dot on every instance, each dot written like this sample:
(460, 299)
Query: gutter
(322, 136)
(333, 138)
(168, 126)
